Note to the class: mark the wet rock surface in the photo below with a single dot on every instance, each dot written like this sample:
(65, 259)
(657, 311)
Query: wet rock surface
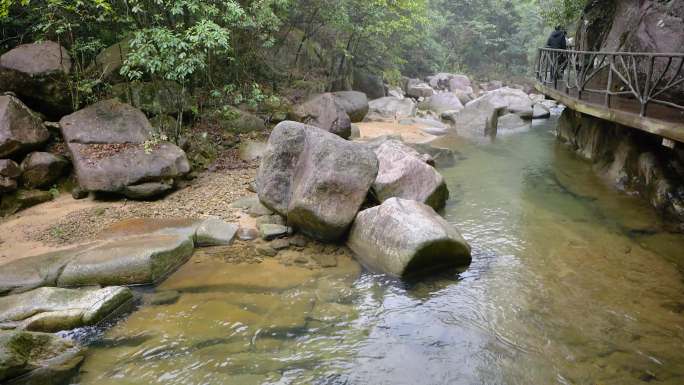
(52, 309)
(132, 252)
(402, 237)
(37, 358)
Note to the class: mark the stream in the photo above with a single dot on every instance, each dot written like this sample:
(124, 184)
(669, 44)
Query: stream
(572, 282)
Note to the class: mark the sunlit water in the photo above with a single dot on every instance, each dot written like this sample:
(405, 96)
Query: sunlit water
(571, 283)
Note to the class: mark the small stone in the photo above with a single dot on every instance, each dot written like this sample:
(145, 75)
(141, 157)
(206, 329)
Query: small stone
(252, 187)
(325, 260)
(167, 297)
(270, 232)
(258, 210)
(266, 250)
(299, 241)
(301, 259)
(270, 219)
(215, 232)
(280, 244)
(247, 234)
(79, 193)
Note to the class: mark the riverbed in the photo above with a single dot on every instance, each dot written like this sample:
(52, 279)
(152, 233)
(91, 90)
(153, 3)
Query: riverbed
(572, 282)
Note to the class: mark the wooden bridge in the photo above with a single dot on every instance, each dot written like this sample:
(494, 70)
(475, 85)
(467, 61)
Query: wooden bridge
(640, 90)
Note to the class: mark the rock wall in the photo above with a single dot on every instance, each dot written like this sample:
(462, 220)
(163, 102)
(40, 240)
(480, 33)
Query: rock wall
(634, 161)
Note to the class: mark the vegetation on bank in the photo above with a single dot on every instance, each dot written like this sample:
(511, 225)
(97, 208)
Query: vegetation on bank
(205, 56)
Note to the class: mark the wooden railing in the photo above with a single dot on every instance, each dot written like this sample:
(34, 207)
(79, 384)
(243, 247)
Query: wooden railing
(641, 78)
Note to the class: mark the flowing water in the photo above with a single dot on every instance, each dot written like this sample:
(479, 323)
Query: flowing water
(571, 283)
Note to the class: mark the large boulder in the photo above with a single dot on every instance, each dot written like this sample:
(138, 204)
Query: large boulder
(417, 89)
(111, 148)
(442, 102)
(516, 101)
(460, 83)
(324, 112)
(110, 60)
(20, 129)
(315, 179)
(403, 173)
(371, 85)
(38, 73)
(354, 103)
(239, 121)
(40, 169)
(37, 358)
(403, 237)
(391, 108)
(9, 173)
(22, 199)
(51, 309)
(479, 118)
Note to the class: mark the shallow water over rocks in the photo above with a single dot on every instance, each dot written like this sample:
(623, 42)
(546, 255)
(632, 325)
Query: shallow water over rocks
(571, 283)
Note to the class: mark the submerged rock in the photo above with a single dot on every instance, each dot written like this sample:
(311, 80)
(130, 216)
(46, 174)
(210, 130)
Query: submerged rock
(324, 111)
(403, 237)
(404, 174)
(37, 358)
(51, 309)
(315, 179)
(20, 129)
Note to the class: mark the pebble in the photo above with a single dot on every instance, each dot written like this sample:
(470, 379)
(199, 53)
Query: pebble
(270, 232)
(247, 234)
(325, 260)
(280, 244)
(266, 250)
(299, 241)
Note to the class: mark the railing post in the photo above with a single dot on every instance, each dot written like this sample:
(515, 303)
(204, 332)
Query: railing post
(609, 89)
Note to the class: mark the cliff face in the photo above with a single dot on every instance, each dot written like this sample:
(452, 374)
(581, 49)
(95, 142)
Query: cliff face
(632, 25)
(632, 160)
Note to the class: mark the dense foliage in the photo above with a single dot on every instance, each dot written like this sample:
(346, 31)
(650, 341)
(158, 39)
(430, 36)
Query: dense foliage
(240, 51)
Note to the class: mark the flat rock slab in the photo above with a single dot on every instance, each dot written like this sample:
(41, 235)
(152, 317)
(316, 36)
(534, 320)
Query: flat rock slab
(133, 252)
(403, 237)
(37, 358)
(51, 309)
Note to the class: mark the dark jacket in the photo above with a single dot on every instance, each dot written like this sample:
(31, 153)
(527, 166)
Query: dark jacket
(557, 40)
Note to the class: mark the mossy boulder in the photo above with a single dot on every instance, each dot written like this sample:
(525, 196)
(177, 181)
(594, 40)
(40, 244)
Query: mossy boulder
(37, 358)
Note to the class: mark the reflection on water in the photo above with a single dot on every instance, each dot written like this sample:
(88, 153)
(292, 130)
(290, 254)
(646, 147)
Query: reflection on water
(571, 283)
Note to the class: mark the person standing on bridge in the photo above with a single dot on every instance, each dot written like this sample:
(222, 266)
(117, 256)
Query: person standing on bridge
(558, 40)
